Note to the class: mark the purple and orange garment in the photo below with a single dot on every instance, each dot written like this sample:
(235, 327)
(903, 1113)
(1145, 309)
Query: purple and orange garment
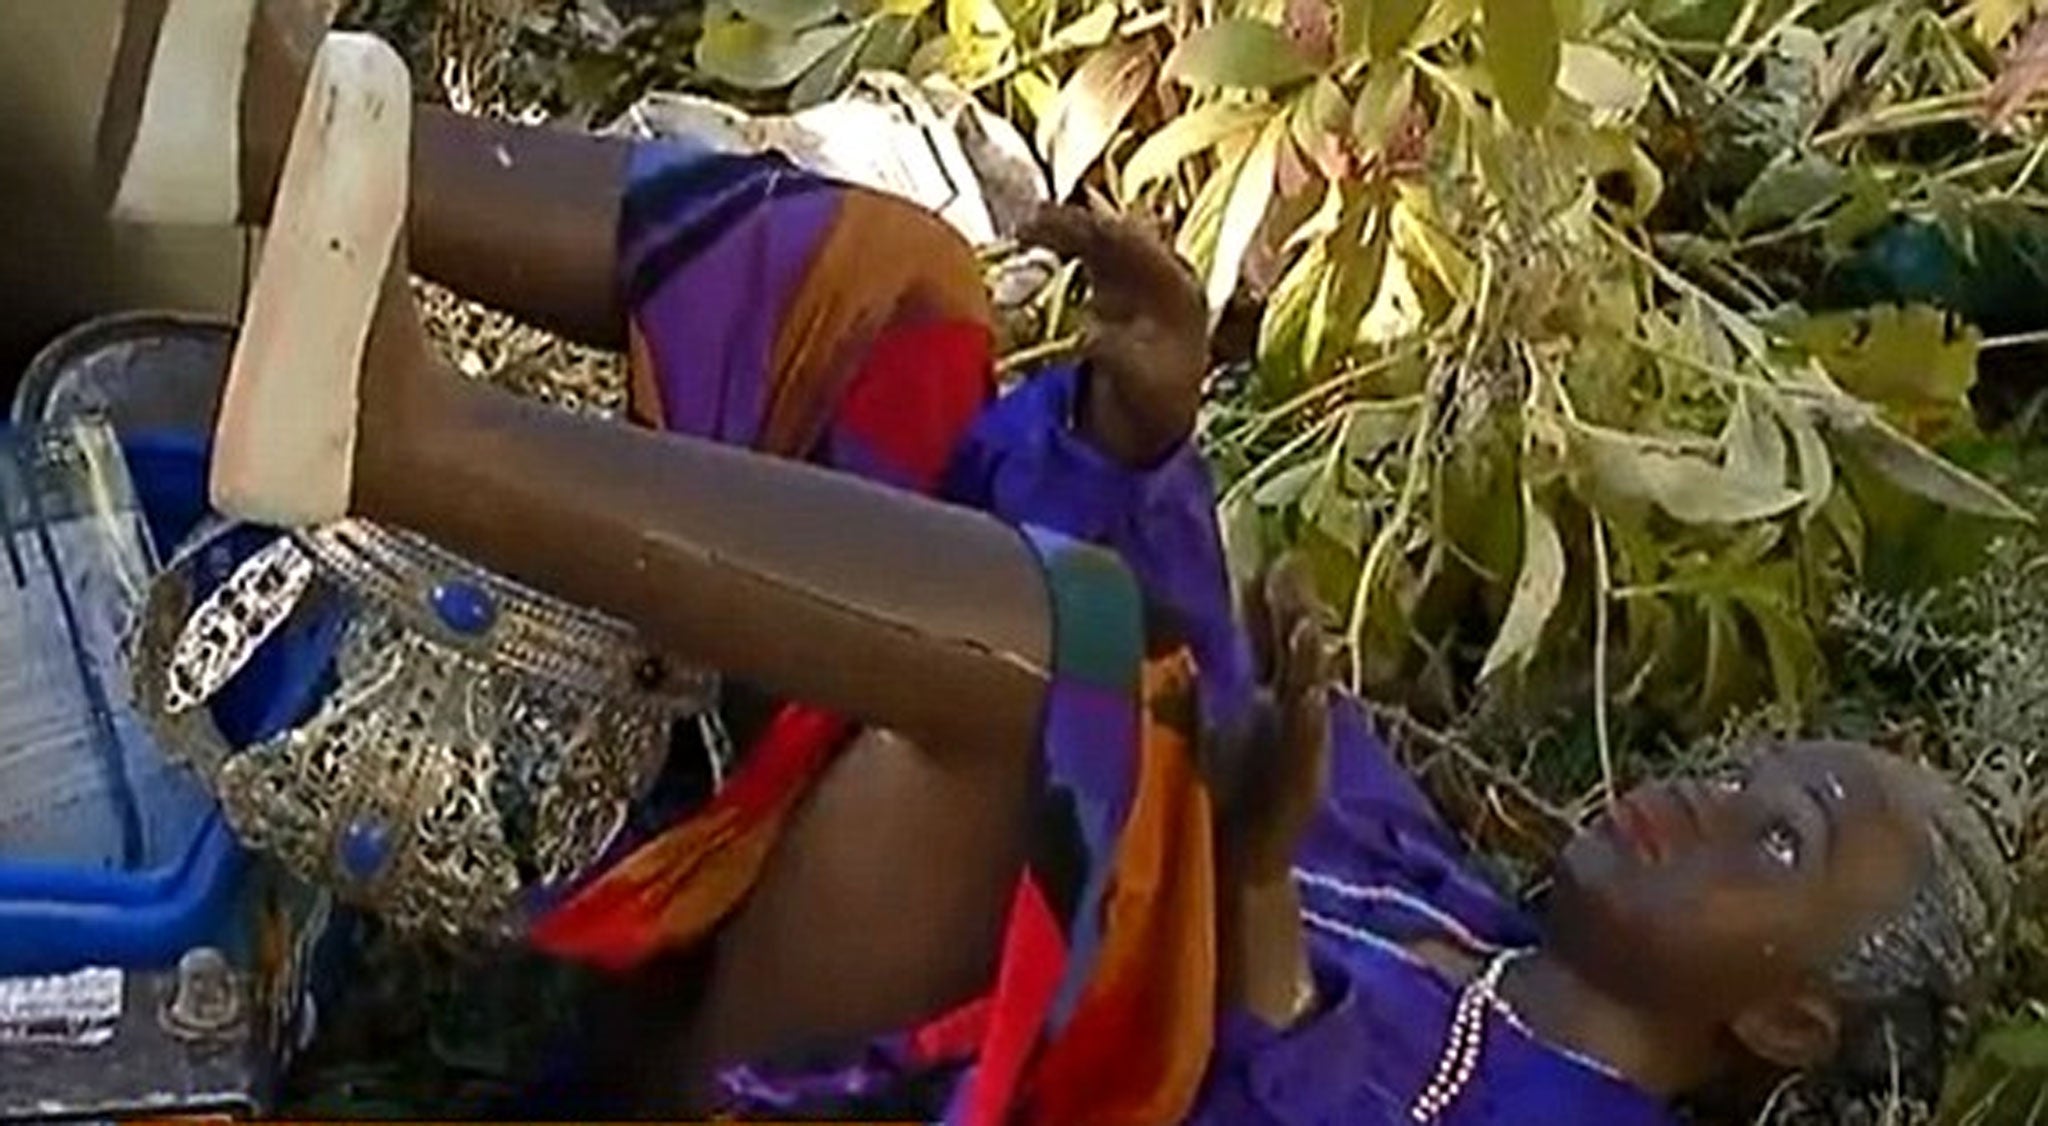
(777, 310)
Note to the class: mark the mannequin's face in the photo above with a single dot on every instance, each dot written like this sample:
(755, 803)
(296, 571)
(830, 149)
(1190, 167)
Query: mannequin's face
(1707, 899)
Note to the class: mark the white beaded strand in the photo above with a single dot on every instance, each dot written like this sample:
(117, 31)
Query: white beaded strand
(1465, 1042)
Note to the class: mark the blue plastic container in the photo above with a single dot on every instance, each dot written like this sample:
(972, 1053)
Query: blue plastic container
(55, 917)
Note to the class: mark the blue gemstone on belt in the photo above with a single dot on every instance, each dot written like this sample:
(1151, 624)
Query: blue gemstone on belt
(365, 847)
(464, 607)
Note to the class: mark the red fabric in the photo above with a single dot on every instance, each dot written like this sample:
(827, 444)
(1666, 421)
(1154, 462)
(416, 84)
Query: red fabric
(1034, 960)
(954, 1037)
(917, 391)
(631, 913)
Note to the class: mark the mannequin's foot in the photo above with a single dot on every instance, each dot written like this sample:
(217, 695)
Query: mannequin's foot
(328, 293)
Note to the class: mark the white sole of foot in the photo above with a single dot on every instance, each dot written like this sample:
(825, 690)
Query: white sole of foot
(284, 443)
(184, 165)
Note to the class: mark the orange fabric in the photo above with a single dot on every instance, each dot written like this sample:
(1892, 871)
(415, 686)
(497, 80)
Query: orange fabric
(643, 397)
(885, 262)
(1136, 1049)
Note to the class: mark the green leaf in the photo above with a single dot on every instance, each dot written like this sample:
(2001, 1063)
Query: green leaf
(1756, 444)
(1537, 590)
(1251, 193)
(1244, 536)
(1844, 521)
(1287, 486)
(1788, 191)
(1091, 109)
(824, 81)
(1250, 54)
(1687, 487)
(1382, 105)
(1186, 136)
(1795, 658)
(1392, 23)
(1867, 208)
(1319, 118)
(1283, 353)
(787, 15)
(1522, 54)
(751, 56)
(1718, 680)
(1446, 18)
(1810, 452)
(1596, 78)
(1918, 470)
(1358, 252)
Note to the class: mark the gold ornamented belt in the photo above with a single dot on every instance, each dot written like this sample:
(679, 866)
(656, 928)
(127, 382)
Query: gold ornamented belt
(481, 739)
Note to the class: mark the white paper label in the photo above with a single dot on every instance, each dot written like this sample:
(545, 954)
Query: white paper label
(80, 1009)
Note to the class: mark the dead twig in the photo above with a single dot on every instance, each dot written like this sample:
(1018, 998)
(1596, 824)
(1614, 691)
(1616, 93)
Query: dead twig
(1398, 721)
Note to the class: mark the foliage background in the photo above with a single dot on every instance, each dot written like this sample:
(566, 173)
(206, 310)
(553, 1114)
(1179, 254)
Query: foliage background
(1639, 376)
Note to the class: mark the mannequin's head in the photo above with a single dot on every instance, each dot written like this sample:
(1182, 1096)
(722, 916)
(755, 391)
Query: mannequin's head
(1821, 905)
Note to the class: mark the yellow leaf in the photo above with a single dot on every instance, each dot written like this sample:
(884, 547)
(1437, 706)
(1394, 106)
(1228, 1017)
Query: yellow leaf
(1424, 243)
(1091, 109)
(980, 36)
(1245, 212)
(1186, 136)
(1284, 324)
(1091, 30)
(1916, 362)
(1597, 79)
(1996, 19)
(1688, 487)
(1196, 239)
(1037, 92)
(1537, 590)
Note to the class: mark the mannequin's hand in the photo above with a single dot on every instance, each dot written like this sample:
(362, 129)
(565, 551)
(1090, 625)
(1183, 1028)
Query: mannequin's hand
(1270, 781)
(1275, 776)
(1147, 343)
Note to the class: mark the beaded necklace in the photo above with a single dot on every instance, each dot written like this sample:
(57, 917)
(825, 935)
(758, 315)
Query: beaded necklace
(1466, 1040)
(1480, 997)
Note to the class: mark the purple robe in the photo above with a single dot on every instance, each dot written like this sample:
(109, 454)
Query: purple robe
(1378, 865)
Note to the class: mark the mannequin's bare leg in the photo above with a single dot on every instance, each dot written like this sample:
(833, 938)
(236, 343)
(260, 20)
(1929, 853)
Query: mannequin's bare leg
(813, 585)
(474, 179)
